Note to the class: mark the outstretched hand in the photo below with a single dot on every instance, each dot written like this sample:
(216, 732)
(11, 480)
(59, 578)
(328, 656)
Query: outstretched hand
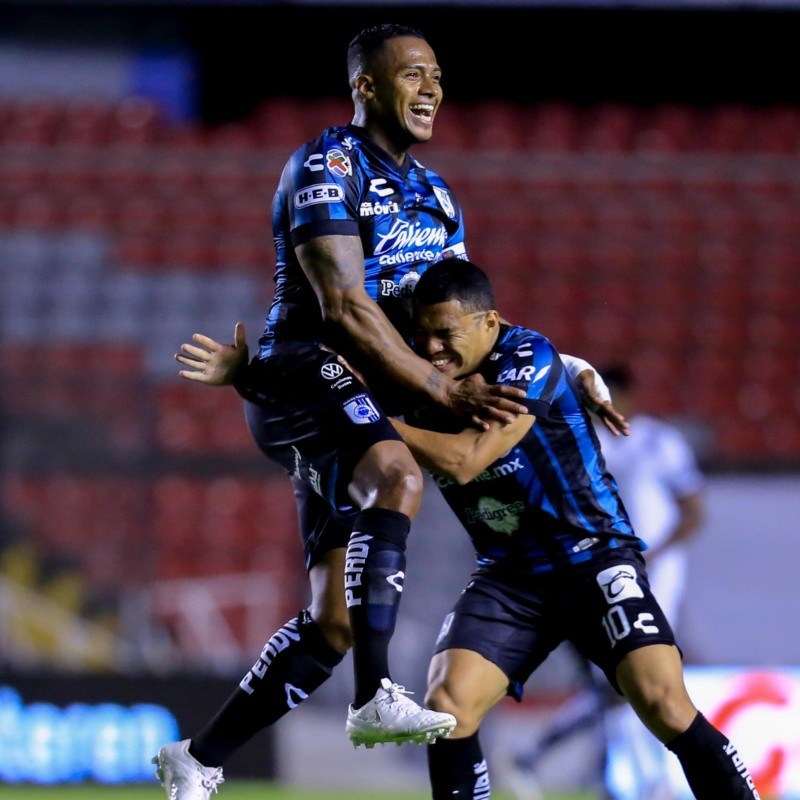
(472, 397)
(213, 363)
(597, 398)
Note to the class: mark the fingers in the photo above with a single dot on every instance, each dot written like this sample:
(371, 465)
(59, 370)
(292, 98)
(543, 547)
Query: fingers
(479, 423)
(504, 399)
(502, 405)
(492, 412)
(192, 375)
(613, 420)
(206, 341)
(196, 353)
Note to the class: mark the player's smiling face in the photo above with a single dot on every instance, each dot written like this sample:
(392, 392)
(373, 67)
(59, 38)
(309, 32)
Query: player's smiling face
(407, 88)
(455, 341)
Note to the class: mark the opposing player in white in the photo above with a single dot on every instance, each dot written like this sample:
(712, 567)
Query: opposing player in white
(662, 488)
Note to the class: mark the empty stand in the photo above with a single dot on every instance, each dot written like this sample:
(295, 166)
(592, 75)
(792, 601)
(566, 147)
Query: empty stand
(666, 236)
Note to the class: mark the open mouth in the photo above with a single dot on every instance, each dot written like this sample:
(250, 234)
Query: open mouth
(423, 112)
(441, 363)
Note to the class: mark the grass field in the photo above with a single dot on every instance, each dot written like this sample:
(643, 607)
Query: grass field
(232, 790)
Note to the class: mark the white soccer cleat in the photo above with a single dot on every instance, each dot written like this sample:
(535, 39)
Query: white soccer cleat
(183, 776)
(391, 717)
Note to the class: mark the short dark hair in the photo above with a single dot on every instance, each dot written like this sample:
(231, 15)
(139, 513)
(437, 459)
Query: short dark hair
(617, 376)
(455, 279)
(368, 41)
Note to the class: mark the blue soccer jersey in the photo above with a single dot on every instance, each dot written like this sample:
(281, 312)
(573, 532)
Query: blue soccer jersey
(342, 183)
(549, 500)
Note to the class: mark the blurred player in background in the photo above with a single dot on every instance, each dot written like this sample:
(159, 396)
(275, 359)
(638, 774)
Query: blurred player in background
(662, 488)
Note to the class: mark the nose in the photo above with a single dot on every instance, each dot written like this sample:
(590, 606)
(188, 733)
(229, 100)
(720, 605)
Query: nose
(429, 86)
(433, 346)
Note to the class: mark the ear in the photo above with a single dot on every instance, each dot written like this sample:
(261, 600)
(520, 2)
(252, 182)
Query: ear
(492, 320)
(365, 86)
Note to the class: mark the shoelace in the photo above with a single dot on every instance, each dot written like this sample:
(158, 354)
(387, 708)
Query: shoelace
(214, 780)
(395, 693)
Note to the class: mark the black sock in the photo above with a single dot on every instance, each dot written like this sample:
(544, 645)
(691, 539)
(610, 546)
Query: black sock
(712, 765)
(457, 769)
(373, 579)
(294, 662)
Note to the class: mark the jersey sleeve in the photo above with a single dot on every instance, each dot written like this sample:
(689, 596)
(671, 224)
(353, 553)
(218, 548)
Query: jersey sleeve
(532, 363)
(321, 185)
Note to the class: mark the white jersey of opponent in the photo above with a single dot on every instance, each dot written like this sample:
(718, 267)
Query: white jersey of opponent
(654, 467)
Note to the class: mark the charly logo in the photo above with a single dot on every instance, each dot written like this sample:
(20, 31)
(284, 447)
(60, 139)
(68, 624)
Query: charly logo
(331, 371)
(619, 583)
(380, 187)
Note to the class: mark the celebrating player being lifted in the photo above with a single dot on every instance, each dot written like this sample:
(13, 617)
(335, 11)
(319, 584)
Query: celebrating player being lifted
(356, 221)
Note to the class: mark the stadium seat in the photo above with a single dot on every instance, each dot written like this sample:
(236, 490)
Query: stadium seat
(608, 128)
(86, 122)
(668, 128)
(552, 127)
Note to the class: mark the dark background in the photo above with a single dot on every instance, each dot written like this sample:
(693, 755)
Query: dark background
(582, 55)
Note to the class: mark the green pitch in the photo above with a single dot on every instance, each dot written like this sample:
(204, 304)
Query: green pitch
(232, 790)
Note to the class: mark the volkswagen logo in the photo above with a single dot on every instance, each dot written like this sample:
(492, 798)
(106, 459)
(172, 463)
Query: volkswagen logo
(331, 371)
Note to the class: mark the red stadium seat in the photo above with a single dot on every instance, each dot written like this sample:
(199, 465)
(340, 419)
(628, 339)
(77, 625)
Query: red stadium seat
(668, 128)
(86, 122)
(552, 127)
(609, 128)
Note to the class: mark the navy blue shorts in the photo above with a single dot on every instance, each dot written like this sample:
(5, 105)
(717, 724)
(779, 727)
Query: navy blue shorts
(314, 417)
(604, 608)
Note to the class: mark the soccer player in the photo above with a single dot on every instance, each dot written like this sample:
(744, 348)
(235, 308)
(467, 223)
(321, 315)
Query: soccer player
(356, 221)
(557, 556)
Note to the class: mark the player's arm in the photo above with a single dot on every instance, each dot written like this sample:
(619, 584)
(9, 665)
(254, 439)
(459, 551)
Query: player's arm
(690, 511)
(595, 394)
(335, 267)
(464, 455)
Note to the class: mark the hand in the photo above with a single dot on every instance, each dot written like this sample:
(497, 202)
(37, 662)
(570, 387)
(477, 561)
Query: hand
(596, 397)
(473, 397)
(213, 363)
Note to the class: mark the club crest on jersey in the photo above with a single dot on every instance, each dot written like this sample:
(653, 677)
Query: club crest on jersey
(619, 583)
(319, 193)
(361, 410)
(444, 201)
(338, 163)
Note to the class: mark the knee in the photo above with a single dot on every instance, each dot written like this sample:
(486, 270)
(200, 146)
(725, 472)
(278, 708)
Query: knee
(665, 709)
(440, 699)
(388, 478)
(402, 477)
(336, 630)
